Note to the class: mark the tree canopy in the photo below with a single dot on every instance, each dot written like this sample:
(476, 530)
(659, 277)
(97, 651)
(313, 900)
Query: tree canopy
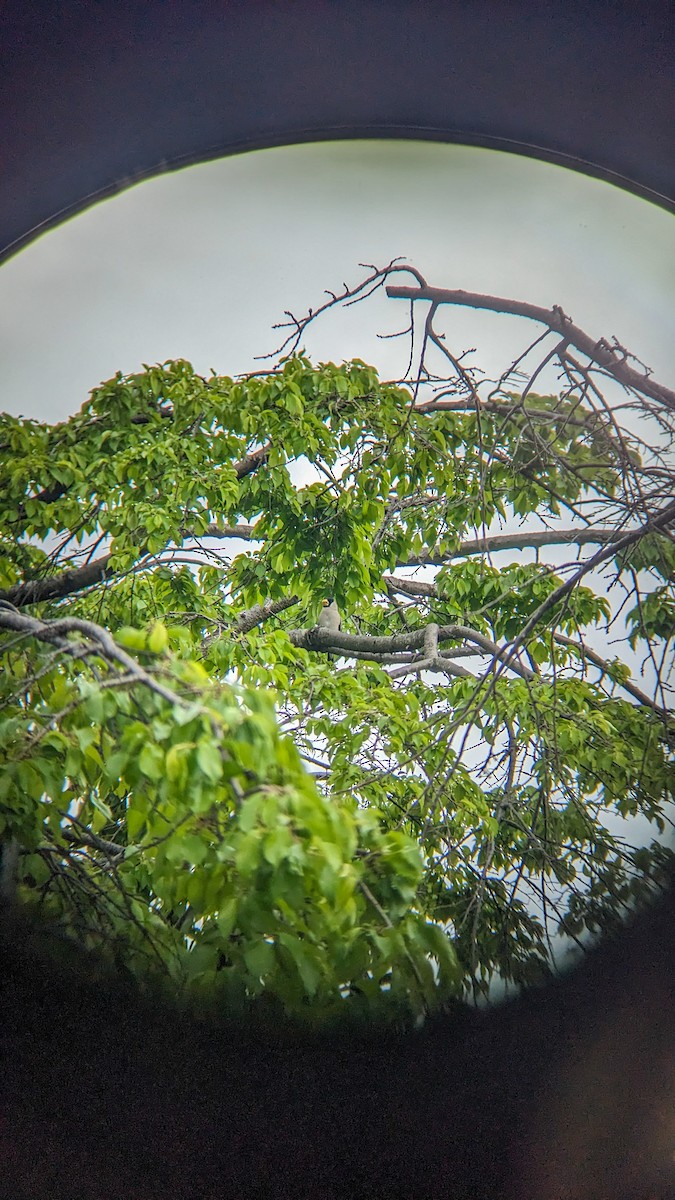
(191, 782)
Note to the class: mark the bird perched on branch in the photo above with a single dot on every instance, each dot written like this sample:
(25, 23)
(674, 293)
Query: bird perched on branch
(329, 618)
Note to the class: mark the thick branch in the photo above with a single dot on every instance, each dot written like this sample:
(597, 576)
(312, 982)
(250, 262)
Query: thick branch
(503, 409)
(377, 647)
(432, 659)
(246, 532)
(55, 587)
(251, 617)
(250, 462)
(262, 612)
(516, 541)
(610, 358)
(85, 837)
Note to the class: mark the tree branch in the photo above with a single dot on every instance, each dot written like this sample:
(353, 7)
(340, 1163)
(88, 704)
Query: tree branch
(56, 587)
(100, 642)
(428, 591)
(658, 521)
(606, 667)
(81, 836)
(246, 532)
(252, 617)
(515, 541)
(610, 358)
(377, 647)
(432, 659)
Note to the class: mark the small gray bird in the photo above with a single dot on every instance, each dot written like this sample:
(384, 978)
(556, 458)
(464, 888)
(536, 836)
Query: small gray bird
(329, 617)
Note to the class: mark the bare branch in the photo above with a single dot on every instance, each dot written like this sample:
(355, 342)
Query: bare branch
(55, 587)
(609, 357)
(245, 532)
(252, 617)
(299, 325)
(378, 648)
(515, 541)
(81, 836)
(432, 659)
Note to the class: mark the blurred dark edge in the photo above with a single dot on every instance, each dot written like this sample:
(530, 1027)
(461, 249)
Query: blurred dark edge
(567, 1092)
(96, 96)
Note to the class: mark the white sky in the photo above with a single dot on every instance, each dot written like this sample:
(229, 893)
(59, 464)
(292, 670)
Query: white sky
(199, 264)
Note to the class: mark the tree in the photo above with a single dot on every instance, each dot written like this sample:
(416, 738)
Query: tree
(190, 782)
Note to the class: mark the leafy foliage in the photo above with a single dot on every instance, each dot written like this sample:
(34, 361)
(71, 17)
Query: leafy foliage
(164, 702)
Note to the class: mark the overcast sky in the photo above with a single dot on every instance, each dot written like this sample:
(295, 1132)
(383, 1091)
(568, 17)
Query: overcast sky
(199, 264)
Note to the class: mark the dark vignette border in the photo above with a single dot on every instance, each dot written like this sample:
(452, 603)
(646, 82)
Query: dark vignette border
(97, 95)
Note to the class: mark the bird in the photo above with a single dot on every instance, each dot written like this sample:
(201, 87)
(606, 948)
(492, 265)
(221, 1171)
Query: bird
(329, 618)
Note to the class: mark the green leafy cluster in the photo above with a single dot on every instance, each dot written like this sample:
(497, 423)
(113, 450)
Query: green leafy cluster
(236, 811)
(234, 873)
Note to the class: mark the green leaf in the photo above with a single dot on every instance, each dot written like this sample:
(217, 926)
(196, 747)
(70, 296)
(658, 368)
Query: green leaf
(260, 959)
(158, 638)
(131, 639)
(151, 761)
(209, 760)
(227, 917)
(304, 959)
(277, 845)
